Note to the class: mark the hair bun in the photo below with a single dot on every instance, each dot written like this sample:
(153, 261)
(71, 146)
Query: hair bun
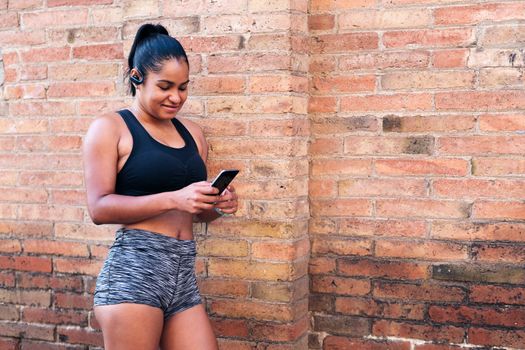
(148, 29)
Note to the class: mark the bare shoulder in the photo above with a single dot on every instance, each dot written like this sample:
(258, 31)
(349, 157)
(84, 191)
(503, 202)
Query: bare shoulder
(106, 128)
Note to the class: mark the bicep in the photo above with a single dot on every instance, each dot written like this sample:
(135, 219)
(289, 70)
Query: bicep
(100, 157)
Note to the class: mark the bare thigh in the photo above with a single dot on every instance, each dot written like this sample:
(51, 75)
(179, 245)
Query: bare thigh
(189, 329)
(130, 326)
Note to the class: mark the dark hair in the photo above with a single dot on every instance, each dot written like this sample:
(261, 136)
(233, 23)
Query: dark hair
(151, 47)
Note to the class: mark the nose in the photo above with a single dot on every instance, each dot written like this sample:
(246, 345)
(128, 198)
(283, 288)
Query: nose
(174, 98)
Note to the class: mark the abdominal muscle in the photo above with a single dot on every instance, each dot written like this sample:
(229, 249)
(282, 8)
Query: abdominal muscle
(174, 223)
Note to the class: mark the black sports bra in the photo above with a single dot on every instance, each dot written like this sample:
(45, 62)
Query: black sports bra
(153, 167)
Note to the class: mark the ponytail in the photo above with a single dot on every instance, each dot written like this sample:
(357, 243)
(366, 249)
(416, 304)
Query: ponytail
(151, 47)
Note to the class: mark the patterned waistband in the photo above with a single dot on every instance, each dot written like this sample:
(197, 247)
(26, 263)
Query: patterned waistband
(137, 238)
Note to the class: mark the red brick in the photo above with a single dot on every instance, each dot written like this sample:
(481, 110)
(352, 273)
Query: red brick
(341, 207)
(418, 292)
(81, 89)
(321, 22)
(7, 279)
(10, 246)
(381, 227)
(342, 247)
(73, 301)
(322, 63)
(252, 309)
(497, 166)
(474, 231)
(320, 104)
(435, 251)
(422, 208)
(493, 316)
(55, 18)
(498, 253)
(473, 14)
(18, 38)
(25, 4)
(99, 52)
(474, 189)
(28, 331)
(340, 285)
(79, 336)
(384, 19)
(43, 281)
(224, 327)
(429, 166)
(496, 337)
(339, 343)
(499, 36)
(334, 5)
(321, 265)
(8, 20)
(497, 295)
(342, 83)
(394, 102)
(480, 100)
(495, 210)
(502, 122)
(46, 247)
(83, 266)
(455, 58)
(26, 263)
(444, 123)
(427, 80)
(384, 60)
(339, 43)
(429, 38)
(373, 145)
(280, 250)
(9, 344)
(52, 3)
(368, 307)
(382, 269)
(482, 145)
(426, 332)
(279, 332)
(69, 317)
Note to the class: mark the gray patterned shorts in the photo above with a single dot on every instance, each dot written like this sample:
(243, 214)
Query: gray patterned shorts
(148, 268)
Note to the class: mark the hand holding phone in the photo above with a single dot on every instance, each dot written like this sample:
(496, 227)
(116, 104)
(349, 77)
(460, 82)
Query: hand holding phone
(224, 178)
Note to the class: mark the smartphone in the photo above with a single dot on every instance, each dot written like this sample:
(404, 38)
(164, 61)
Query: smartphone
(223, 179)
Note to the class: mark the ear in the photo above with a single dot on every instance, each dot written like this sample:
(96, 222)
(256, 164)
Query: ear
(136, 77)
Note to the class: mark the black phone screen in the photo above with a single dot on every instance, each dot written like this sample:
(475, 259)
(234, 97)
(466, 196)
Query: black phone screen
(223, 179)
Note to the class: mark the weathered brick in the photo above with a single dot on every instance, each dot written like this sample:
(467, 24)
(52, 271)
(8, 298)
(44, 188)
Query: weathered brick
(496, 337)
(382, 268)
(418, 292)
(473, 273)
(384, 19)
(351, 326)
(449, 334)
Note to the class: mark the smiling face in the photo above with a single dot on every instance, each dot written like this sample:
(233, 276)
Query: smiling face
(163, 93)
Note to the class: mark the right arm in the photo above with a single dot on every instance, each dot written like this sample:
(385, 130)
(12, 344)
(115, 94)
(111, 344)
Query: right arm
(100, 156)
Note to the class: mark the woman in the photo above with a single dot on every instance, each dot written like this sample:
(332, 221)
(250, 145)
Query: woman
(145, 169)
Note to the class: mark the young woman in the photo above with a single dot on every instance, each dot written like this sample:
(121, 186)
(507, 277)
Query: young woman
(145, 169)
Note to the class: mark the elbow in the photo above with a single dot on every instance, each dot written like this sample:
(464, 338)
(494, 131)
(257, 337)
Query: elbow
(96, 216)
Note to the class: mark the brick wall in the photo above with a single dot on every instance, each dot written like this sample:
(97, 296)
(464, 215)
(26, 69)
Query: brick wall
(394, 124)
(416, 182)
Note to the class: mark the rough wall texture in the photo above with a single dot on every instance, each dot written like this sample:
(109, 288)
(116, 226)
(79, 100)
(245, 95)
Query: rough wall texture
(417, 169)
(414, 176)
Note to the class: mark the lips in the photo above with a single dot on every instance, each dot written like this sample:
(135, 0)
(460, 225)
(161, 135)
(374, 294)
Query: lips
(170, 107)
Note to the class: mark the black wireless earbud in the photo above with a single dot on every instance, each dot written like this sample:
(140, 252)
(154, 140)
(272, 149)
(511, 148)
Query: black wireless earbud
(136, 78)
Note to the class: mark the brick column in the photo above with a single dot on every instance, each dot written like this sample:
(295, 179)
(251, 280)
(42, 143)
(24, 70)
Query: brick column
(254, 91)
